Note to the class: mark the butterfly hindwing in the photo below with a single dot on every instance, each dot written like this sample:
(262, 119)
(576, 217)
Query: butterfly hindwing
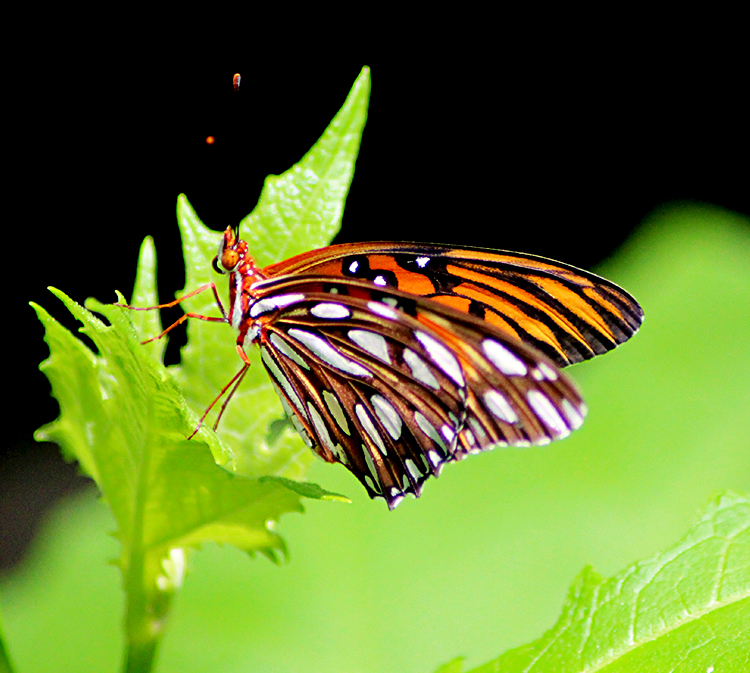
(393, 386)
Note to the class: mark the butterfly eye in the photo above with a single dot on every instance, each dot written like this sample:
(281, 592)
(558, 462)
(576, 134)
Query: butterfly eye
(227, 256)
(229, 259)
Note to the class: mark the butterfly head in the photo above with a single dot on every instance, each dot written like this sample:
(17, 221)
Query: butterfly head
(231, 252)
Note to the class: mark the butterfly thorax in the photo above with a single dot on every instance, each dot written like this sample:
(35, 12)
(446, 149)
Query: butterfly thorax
(234, 260)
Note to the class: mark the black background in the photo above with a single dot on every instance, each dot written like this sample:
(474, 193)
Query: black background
(557, 144)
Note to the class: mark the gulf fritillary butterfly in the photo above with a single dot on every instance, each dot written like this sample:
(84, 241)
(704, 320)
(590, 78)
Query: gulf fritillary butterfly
(396, 358)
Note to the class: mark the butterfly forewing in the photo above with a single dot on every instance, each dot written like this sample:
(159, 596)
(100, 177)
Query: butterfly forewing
(393, 386)
(567, 313)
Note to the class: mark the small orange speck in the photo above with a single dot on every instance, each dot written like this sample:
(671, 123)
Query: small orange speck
(236, 81)
(210, 140)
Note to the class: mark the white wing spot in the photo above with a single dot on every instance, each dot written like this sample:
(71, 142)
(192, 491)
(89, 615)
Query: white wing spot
(321, 429)
(449, 433)
(499, 406)
(413, 469)
(575, 417)
(354, 266)
(370, 463)
(478, 431)
(374, 344)
(546, 411)
(273, 303)
(380, 280)
(388, 415)
(382, 310)
(429, 429)
(328, 353)
(281, 380)
(508, 363)
(330, 311)
(419, 369)
(369, 427)
(543, 372)
(422, 262)
(302, 431)
(442, 357)
(434, 457)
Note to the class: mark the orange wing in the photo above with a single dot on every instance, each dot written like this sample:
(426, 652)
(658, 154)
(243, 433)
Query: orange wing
(567, 313)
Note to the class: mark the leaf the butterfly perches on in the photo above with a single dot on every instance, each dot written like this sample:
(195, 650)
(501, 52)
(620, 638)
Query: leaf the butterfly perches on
(395, 358)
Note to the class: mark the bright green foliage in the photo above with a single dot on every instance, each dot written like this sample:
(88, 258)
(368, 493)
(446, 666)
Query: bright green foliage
(685, 609)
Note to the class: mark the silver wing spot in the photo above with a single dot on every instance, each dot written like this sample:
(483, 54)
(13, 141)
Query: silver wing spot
(546, 411)
(503, 359)
(499, 406)
(281, 381)
(330, 311)
(419, 369)
(429, 430)
(442, 357)
(388, 415)
(369, 427)
(374, 344)
(328, 353)
(273, 303)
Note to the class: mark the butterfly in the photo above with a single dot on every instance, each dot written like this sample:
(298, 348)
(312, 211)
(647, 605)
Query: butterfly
(396, 358)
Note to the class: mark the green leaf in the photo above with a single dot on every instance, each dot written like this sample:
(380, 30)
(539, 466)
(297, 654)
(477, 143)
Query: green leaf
(298, 211)
(687, 608)
(125, 422)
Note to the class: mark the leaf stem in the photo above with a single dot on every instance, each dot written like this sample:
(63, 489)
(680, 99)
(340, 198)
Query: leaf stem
(149, 587)
(140, 656)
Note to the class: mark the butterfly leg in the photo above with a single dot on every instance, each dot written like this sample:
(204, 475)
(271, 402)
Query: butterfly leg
(233, 384)
(184, 317)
